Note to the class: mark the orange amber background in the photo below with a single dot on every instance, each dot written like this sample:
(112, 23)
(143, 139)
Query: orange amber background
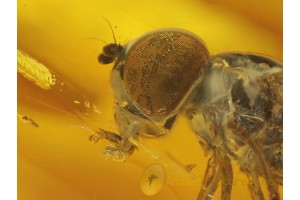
(56, 160)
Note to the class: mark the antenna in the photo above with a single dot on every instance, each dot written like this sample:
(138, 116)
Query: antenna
(95, 38)
(111, 30)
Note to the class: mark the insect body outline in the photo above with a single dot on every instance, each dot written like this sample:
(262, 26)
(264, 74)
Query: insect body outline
(232, 100)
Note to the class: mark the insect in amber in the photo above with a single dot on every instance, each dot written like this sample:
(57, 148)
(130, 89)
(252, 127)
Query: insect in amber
(232, 100)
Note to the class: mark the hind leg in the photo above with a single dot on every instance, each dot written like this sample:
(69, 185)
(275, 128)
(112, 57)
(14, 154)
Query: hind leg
(259, 160)
(254, 186)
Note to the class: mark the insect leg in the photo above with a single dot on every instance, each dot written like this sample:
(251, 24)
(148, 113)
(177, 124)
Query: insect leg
(226, 167)
(272, 188)
(121, 146)
(211, 179)
(254, 186)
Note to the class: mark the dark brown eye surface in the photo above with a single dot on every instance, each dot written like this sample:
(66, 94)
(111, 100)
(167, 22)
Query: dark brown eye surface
(160, 69)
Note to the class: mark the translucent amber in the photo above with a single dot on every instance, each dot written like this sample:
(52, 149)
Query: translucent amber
(60, 109)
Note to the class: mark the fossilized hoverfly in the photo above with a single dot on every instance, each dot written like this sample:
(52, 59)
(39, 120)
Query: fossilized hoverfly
(233, 102)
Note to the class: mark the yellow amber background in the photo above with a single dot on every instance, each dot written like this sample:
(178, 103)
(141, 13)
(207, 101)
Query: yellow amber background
(56, 160)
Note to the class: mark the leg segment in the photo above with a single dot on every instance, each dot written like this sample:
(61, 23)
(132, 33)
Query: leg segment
(254, 186)
(226, 167)
(210, 181)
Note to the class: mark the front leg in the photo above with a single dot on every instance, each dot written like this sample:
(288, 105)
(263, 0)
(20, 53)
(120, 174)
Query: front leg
(121, 146)
(218, 169)
(210, 180)
(119, 149)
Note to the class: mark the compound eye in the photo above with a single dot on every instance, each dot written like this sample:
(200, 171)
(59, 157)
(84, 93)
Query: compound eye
(103, 59)
(111, 50)
(161, 68)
